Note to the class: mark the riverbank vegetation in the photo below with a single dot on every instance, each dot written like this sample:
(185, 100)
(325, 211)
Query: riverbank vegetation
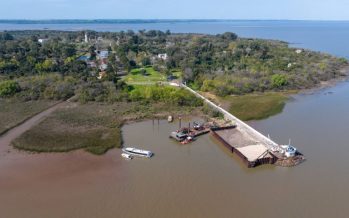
(256, 106)
(88, 127)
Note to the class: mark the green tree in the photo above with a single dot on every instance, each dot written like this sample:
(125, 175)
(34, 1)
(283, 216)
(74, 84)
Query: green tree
(6, 36)
(45, 66)
(229, 36)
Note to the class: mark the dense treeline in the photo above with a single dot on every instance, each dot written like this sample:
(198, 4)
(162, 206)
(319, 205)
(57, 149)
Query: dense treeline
(223, 64)
(22, 57)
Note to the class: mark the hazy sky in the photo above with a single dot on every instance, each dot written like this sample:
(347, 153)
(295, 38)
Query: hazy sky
(175, 9)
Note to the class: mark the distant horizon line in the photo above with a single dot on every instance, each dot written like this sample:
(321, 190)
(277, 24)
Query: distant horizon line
(144, 20)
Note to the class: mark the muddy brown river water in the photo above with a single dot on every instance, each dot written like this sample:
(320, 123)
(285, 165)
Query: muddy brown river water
(196, 180)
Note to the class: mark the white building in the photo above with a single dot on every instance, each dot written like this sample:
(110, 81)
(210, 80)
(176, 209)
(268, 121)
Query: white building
(103, 54)
(42, 40)
(103, 67)
(163, 56)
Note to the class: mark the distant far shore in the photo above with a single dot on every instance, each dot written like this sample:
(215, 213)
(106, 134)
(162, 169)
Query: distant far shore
(120, 21)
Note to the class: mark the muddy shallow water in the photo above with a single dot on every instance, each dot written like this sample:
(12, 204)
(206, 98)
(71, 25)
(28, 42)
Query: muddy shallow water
(193, 180)
(201, 179)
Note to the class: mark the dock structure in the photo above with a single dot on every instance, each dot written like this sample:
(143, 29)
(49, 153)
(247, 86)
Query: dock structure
(251, 146)
(251, 152)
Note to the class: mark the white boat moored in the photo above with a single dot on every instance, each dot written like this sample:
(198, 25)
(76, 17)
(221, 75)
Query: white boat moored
(290, 151)
(137, 152)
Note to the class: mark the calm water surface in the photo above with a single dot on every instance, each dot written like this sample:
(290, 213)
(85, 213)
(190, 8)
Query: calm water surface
(201, 179)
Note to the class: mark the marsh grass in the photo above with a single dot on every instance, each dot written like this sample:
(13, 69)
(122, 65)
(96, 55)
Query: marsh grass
(13, 111)
(257, 106)
(94, 127)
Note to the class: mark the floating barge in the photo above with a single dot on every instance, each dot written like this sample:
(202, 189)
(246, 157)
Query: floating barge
(253, 153)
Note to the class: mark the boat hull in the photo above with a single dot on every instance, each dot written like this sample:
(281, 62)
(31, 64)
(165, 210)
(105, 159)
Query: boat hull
(137, 154)
(126, 156)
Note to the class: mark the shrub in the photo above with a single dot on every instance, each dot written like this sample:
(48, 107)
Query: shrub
(164, 94)
(211, 112)
(278, 80)
(8, 88)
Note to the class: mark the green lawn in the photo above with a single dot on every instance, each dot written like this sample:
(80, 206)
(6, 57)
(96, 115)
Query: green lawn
(256, 106)
(151, 75)
(177, 73)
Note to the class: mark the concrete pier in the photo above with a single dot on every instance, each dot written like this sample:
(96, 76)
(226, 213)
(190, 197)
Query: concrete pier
(242, 126)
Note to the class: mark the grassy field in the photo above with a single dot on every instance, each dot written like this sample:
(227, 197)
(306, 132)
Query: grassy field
(256, 106)
(94, 127)
(177, 73)
(151, 75)
(14, 112)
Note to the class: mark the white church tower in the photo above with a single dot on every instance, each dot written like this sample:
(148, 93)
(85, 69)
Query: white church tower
(86, 38)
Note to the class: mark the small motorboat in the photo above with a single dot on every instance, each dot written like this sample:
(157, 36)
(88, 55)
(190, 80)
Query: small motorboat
(179, 136)
(198, 126)
(187, 140)
(137, 152)
(126, 156)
